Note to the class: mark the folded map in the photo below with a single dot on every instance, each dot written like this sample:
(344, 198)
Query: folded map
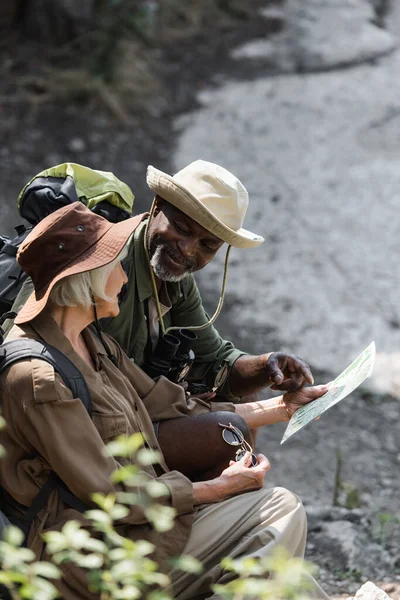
(342, 386)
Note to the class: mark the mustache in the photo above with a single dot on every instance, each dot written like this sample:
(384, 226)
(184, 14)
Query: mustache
(176, 255)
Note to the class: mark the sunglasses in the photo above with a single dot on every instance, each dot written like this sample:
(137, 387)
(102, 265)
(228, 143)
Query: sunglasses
(234, 437)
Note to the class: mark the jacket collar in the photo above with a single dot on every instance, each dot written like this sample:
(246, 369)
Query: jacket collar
(45, 327)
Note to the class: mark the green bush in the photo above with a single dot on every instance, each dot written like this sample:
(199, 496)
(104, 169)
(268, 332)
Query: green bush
(122, 569)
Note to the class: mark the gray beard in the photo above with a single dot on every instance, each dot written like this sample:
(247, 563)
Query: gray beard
(160, 271)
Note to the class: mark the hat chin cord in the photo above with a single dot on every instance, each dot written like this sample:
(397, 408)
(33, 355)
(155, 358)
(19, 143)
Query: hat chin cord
(155, 291)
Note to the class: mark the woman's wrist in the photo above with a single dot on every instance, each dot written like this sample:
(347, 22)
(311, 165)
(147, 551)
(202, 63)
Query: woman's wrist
(207, 492)
(283, 410)
(263, 412)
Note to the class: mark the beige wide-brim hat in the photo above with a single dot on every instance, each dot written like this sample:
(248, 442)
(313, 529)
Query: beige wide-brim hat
(211, 196)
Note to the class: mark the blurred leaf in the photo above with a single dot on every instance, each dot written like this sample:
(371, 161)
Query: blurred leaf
(128, 498)
(119, 512)
(187, 563)
(46, 569)
(91, 561)
(99, 516)
(71, 528)
(55, 540)
(94, 545)
(161, 595)
(125, 473)
(162, 517)
(125, 446)
(147, 456)
(130, 592)
(13, 536)
(144, 548)
(157, 489)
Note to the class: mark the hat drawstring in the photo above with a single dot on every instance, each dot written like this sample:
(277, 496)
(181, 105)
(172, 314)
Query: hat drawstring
(155, 291)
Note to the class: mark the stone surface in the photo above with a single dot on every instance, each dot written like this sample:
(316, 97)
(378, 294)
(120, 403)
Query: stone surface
(332, 33)
(369, 591)
(322, 35)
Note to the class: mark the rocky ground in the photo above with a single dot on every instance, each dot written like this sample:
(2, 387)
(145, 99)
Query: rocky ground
(302, 104)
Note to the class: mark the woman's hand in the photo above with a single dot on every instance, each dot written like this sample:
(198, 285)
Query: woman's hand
(236, 479)
(241, 477)
(291, 401)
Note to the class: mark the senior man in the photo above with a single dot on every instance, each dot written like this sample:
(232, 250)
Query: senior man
(193, 214)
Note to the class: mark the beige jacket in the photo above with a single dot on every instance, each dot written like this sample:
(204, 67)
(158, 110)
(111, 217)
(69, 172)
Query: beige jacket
(48, 430)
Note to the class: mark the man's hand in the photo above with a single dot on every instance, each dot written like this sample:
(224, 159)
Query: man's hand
(291, 401)
(288, 372)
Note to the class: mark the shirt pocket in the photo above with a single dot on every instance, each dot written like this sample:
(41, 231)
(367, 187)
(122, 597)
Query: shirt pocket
(110, 425)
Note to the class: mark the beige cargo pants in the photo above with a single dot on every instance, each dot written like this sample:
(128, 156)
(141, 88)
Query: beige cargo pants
(249, 525)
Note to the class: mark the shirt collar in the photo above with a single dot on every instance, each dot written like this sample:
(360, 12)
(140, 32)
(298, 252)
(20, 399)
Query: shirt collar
(143, 280)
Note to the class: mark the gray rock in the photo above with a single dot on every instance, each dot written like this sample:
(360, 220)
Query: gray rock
(321, 35)
(328, 34)
(355, 549)
(369, 591)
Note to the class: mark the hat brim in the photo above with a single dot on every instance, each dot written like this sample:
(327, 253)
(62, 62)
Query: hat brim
(106, 249)
(167, 188)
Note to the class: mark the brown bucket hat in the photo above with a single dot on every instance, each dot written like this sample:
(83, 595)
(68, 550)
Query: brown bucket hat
(71, 240)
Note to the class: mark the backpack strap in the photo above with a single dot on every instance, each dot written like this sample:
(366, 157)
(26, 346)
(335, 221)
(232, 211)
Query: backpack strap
(16, 350)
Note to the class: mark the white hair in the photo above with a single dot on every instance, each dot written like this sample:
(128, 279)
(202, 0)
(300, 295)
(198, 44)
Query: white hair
(79, 289)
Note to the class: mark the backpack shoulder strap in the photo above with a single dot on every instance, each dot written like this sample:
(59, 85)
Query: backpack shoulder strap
(10, 353)
(16, 350)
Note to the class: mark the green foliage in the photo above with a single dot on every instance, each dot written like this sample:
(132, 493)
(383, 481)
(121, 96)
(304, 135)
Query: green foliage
(386, 525)
(349, 574)
(25, 577)
(275, 577)
(344, 494)
(119, 568)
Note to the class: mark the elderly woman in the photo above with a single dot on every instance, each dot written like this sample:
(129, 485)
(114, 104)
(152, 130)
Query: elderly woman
(73, 257)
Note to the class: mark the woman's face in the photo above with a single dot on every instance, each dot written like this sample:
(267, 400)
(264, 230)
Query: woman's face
(116, 279)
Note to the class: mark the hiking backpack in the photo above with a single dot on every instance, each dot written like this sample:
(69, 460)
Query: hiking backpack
(11, 275)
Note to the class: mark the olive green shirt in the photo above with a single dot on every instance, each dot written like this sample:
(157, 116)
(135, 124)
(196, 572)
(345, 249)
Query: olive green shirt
(130, 328)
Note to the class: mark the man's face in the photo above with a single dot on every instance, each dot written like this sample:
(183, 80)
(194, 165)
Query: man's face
(177, 244)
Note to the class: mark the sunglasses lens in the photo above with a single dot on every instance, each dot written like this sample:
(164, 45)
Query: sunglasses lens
(254, 460)
(241, 453)
(233, 437)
